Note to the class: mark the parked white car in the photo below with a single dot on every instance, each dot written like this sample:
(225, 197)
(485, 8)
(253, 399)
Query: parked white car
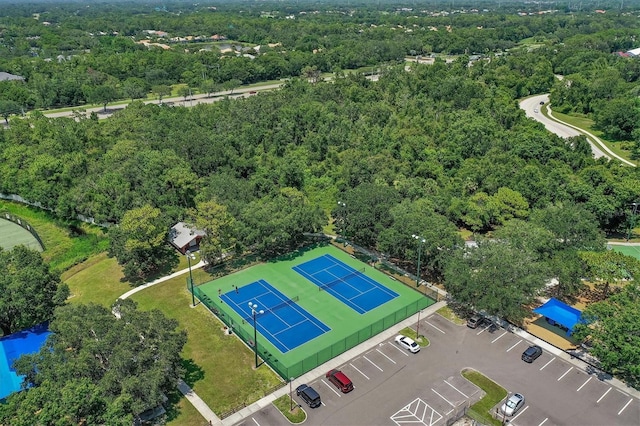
(408, 343)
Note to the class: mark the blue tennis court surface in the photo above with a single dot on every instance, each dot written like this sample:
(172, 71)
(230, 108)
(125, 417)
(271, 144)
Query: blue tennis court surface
(286, 324)
(13, 347)
(349, 285)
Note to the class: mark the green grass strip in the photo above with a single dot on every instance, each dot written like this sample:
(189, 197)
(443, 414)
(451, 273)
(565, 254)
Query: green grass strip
(283, 404)
(494, 393)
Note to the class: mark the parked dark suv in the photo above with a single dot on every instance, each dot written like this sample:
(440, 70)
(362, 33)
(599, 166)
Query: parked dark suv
(309, 395)
(531, 354)
(340, 379)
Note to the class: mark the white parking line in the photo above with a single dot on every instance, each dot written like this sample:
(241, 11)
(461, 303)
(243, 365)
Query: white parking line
(355, 368)
(459, 391)
(331, 387)
(255, 421)
(448, 402)
(496, 339)
(435, 327)
(543, 422)
(520, 341)
(518, 415)
(372, 363)
(625, 406)
(405, 353)
(542, 368)
(385, 356)
(567, 372)
(578, 390)
(483, 330)
(603, 395)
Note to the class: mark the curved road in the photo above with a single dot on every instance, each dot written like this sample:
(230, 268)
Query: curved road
(565, 130)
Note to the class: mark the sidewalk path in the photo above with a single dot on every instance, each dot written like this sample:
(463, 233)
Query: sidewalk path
(191, 396)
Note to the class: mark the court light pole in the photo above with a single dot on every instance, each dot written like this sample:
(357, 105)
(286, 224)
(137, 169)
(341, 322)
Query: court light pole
(255, 312)
(633, 220)
(189, 257)
(421, 241)
(343, 207)
(291, 392)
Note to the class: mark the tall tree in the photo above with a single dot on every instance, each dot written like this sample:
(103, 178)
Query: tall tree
(496, 277)
(215, 220)
(29, 290)
(610, 267)
(139, 242)
(613, 328)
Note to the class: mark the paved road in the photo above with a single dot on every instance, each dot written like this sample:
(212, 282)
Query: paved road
(565, 130)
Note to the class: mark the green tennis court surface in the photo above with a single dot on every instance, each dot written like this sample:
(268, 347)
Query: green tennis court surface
(12, 234)
(627, 250)
(345, 326)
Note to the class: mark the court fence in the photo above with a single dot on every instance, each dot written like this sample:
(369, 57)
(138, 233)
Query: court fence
(24, 224)
(323, 354)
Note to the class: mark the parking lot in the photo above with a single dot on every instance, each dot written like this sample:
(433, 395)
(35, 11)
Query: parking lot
(395, 387)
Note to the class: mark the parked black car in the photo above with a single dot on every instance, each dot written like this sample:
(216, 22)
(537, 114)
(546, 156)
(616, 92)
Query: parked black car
(532, 353)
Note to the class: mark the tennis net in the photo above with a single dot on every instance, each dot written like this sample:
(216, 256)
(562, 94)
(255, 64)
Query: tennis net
(284, 304)
(341, 279)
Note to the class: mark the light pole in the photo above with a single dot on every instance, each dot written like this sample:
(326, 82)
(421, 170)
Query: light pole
(633, 220)
(291, 392)
(343, 206)
(254, 312)
(189, 257)
(418, 325)
(421, 240)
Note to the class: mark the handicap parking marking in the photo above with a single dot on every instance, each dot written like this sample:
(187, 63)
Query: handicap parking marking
(496, 339)
(384, 355)
(514, 345)
(603, 395)
(417, 412)
(550, 361)
(356, 368)
(625, 406)
(566, 372)
(372, 363)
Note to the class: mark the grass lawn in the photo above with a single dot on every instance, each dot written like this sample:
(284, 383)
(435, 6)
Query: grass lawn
(494, 393)
(219, 366)
(448, 313)
(99, 280)
(67, 243)
(585, 123)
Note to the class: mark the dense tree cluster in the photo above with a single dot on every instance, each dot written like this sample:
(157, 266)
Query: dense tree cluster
(96, 368)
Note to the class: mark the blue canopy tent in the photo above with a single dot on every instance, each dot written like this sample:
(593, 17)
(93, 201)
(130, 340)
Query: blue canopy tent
(560, 313)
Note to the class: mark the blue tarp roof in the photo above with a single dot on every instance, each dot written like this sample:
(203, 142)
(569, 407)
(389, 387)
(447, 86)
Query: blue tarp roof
(560, 313)
(13, 347)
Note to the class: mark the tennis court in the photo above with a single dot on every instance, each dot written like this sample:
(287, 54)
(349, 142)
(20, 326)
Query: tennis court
(283, 322)
(302, 327)
(13, 234)
(351, 286)
(633, 251)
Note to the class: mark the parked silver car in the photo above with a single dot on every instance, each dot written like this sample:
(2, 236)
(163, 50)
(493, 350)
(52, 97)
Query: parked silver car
(513, 404)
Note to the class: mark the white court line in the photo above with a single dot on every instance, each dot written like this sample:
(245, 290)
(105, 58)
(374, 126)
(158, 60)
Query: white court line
(603, 395)
(435, 327)
(589, 379)
(518, 415)
(356, 368)
(567, 372)
(372, 363)
(331, 387)
(544, 421)
(453, 405)
(255, 421)
(542, 368)
(459, 391)
(496, 339)
(381, 353)
(519, 341)
(625, 406)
